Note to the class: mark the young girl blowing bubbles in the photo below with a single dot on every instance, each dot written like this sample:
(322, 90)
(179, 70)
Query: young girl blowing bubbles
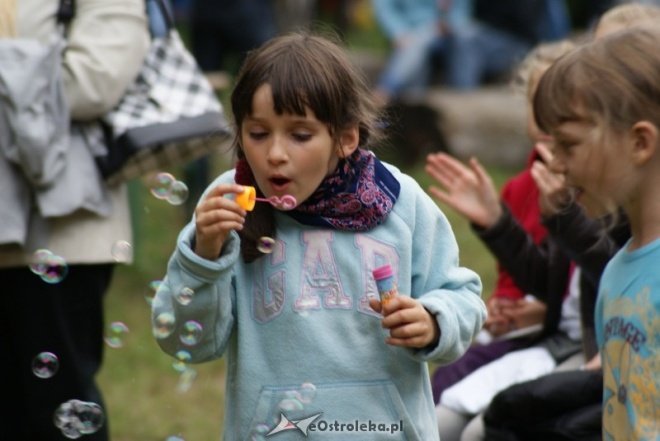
(309, 347)
(601, 103)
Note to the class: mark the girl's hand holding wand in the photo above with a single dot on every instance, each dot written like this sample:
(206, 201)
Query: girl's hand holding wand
(409, 323)
(215, 217)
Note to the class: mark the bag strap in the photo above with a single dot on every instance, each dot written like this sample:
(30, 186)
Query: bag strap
(159, 14)
(161, 17)
(66, 11)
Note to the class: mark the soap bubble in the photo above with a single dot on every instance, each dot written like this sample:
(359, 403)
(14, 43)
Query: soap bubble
(45, 364)
(56, 269)
(115, 334)
(49, 266)
(186, 379)
(164, 325)
(185, 295)
(307, 392)
(76, 418)
(190, 333)
(290, 404)
(266, 244)
(161, 184)
(178, 193)
(38, 261)
(182, 358)
(122, 251)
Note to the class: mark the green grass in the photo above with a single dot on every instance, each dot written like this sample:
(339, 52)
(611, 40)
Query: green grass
(139, 383)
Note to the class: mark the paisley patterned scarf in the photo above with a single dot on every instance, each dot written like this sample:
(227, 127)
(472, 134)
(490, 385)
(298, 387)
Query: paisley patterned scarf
(357, 196)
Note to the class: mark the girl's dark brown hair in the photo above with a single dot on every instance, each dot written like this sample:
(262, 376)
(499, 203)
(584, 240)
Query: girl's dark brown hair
(613, 82)
(304, 71)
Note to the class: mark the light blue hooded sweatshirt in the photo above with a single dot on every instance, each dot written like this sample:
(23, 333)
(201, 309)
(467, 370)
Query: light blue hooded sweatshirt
(306, 355)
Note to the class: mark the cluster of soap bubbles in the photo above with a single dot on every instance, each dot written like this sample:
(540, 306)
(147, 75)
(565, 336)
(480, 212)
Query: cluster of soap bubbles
(293, 399)
(190, 333)
(49, 266)
(166, 187)
(165, 322)
(76, 418)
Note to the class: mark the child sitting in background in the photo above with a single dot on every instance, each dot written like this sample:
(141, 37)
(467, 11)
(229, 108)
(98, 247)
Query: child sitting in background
(538, 409)
(607, 136)
(471, 192)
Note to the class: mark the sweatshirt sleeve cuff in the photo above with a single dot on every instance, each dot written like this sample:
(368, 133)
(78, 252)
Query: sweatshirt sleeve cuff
(207, 270)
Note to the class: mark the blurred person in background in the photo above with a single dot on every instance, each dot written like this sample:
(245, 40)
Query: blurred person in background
(61, 312)
(221, 34)
(471, 41)
(497, 38)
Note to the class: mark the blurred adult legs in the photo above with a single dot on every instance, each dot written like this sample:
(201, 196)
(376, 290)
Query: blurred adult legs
(222, 32)
(408, 69)
(64, 318)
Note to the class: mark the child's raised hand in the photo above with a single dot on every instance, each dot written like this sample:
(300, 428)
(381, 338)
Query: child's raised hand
(469, 191)
(215, 217)
(554, 195)
(409, 323)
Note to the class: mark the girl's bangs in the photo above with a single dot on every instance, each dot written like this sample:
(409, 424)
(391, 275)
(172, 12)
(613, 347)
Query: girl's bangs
(558, 98)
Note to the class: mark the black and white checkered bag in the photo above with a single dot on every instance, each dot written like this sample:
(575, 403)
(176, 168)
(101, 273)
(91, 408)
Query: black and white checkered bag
(168, 116)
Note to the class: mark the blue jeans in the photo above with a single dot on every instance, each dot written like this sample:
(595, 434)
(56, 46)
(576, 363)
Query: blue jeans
(477, 51)
(408, 69)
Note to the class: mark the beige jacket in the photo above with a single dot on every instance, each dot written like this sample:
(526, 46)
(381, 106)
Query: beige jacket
(107, 42)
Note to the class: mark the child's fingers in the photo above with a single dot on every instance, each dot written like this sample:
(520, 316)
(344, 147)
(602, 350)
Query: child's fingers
(220, 204)
(224, 189)
(401, 310)
(446, 162)
(216, 201)
(544, 151)
(409, 323)
(445, 165)
(541, 176)
(375, 304)
(439, 174)
(482, 176)
(410, 335)
(218, 226)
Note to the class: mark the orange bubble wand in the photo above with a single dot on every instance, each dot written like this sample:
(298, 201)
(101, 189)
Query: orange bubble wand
(248, 198)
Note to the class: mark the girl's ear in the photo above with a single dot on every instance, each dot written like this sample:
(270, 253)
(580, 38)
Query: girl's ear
(645, 141)
(348, 141)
